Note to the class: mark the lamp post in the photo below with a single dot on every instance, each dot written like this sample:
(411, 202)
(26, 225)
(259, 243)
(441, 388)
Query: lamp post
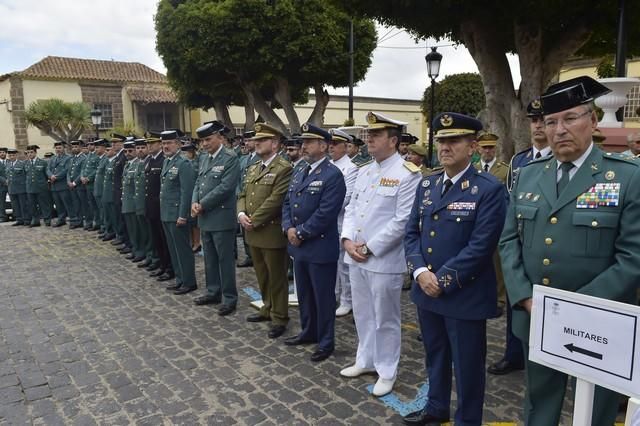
(96, 119)
(433, 59)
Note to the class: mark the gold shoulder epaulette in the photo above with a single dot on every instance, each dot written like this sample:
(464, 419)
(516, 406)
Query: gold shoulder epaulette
(411, 167)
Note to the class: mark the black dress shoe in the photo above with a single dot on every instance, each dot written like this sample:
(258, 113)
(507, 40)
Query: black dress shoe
(75, 226)
(130, 256)
(117, 242)
(20, 224)
(320, 355)
(137, 259)
(503, 367)
(276, 331)
(144, 264)
(47, 223)
(34, 225)
(165, 277)
(296, 340)
(156, 273)
(184, 290)
(257, 318)
(206, 300)
(421, 417)
(125, 250)
(154, 267)
(108, 237)
(245, 263)
(59, 224)
(225, 310)
(172, 287)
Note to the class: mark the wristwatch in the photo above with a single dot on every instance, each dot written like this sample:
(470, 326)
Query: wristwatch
(364, 250)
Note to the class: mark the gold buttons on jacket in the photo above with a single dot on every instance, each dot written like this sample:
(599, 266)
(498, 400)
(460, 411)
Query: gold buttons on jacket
(432, 233)
(546, 262)
(429, 250)
(519, 215)
(429, 267)
(457, 219)
(435, 217)
(553, 220)
(545, 281)
(594, 223)
(548, 241)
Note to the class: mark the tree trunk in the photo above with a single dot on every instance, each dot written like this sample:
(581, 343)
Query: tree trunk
(283, 95)
(222, 112)
(262, 107)
(249, 115)
(322, 100)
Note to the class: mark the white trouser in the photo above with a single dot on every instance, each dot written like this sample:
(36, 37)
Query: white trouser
(343, 287)
(376, 309)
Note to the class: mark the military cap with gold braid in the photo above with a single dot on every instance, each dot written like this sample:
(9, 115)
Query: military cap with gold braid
(452, 124)
(266, 131)
(310, 131)
(117, 138)
(338, 136)
(534, 109)
(487, 139)
(379, 121)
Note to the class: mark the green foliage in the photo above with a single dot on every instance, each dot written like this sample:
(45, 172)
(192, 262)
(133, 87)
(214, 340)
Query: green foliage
(605, 68)
(129, 128)
(462, 93)
(63, 121)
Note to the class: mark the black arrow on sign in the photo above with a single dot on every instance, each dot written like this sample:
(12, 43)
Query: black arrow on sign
(572, 348)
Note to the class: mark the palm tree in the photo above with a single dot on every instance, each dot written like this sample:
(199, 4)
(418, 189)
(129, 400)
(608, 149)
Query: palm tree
(63, 121)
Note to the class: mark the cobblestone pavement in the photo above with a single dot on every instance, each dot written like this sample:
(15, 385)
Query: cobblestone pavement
(87, 338)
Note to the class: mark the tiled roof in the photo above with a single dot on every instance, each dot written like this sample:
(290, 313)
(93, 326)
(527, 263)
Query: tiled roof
(148, 95)
(59, 68)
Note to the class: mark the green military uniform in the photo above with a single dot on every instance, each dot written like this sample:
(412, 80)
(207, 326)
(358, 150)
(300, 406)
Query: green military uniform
(3, 188)
(215, 191)
(38, 191)
(78, 194)
(129, 207)
(261, 199)
(176, 189)
(89, 170)
(108, 206)
(98, 188)
(144, 229)
(572, 239)
(58, 167)
(17, 184)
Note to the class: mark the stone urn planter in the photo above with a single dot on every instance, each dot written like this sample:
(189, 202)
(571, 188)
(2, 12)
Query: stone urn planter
(610, 103)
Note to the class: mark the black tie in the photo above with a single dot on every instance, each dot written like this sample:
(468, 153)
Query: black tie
(262, 167)
(447, 186)
(306, 171)
(486, 167)
(538, 155)
(564, 176)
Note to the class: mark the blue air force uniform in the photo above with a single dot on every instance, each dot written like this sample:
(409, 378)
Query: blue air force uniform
(454, 235)
(311, 206)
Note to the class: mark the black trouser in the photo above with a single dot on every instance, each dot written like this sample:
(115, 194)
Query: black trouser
(40, 204)
(160, 242)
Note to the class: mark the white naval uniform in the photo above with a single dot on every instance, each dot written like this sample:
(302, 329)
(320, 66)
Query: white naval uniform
(376, 215)
(350, 172)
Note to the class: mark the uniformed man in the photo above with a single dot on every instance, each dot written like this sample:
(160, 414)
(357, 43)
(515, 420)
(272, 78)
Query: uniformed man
(372, 233)
(417, 154)
(191, 154)
(87, 179)
(340, 159)
(76, 189)
(98, 184)
(142, 224)
(453, 231)
(17, 186)
(559, 234)
(3, 184)
(245, 161)
(214, 204)
(57, 170)
(176, 189)
(633, 142)
(108, 205)
(39, 198)
(129, 202)
(488, 163)
(310, 222)
(47, 156)
(293, 147)
(354, 151)
(122, 237)
(403, 146)
(163, 269)
(260, 214)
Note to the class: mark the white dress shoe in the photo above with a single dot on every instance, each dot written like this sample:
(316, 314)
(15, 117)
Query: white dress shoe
(343, 310)
(383, 386)
(355, 371)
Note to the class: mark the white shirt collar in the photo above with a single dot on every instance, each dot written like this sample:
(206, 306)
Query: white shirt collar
(457, 177)
(269, 160)
(316, 164)
(388, 161)
(490, 163)
(543, 152)
(156, 154)
(295, 163)
(215, 154)
(577, 162)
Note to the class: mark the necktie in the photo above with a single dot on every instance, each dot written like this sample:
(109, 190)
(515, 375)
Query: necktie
(447, 186)
(564, 176)
(307, 170)
(486, 167)
(262, 167)
(538, 155)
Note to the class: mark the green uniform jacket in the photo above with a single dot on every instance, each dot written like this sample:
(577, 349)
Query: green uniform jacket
(99, 177)
(129, 186)
(261, 199)
(176, 189)
(75, 169)
(17, 177)
(59, 167)
(89, 169)
(215, 190)
(594, 250)
(37, 180)
(140, 186)
(107, 186)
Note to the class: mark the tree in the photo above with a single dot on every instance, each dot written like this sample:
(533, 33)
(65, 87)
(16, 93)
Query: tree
(245, 52)
(544, 34)
(63, 121)
(461, 93)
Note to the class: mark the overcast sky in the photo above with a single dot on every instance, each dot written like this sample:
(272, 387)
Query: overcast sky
(122, 30)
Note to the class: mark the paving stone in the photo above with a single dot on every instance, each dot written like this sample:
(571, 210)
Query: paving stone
(38, 392)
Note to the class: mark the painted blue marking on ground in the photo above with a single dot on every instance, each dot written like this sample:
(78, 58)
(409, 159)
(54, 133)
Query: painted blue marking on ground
(252, 293)
(403, 408)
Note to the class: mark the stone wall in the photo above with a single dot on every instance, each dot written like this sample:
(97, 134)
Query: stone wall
(103, 94)
(18, 113)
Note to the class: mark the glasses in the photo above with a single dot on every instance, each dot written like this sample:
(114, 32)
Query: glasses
(567, 121)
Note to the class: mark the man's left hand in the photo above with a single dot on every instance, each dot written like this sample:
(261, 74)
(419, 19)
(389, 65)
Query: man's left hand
(293, 237)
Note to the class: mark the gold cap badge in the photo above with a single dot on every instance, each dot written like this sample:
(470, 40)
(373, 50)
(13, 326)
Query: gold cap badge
(446, 120)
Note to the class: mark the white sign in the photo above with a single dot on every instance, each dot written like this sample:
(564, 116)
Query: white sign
(587, 337)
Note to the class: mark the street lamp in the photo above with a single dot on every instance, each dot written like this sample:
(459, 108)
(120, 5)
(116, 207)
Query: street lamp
(96, 119)
(433, 59)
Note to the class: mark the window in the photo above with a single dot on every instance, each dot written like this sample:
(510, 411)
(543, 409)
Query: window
(238, 131)
(633, 103)
(107, 115)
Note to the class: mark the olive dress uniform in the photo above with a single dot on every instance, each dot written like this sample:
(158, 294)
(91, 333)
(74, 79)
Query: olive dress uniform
(17, 184)
(261, 199)
(581, 236)
(175, 202)
(215, 191)
(38, 191)
(59, 167)
(89, 170)
(77, 193)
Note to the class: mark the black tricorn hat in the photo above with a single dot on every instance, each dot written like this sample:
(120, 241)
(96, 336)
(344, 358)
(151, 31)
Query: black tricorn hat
(571, 93)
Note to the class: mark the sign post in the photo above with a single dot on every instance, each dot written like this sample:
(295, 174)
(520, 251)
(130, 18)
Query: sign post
(595, 340)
